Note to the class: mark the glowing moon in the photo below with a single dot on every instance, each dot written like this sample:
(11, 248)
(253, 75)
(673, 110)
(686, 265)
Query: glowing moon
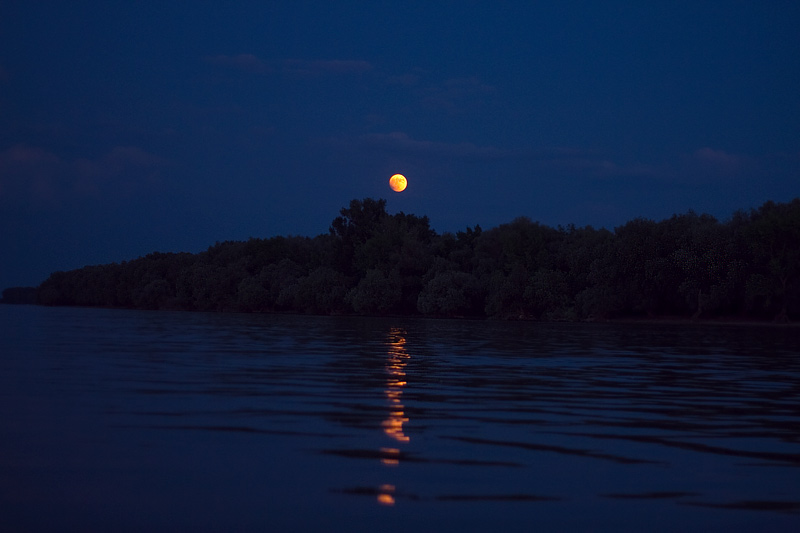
(398, 183)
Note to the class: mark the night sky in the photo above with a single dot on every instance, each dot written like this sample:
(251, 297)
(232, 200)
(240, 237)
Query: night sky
(133, 127)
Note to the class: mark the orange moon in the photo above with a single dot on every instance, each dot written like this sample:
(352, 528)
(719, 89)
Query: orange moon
(398, 183)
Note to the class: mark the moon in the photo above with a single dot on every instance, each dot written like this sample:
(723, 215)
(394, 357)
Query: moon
(398, 183)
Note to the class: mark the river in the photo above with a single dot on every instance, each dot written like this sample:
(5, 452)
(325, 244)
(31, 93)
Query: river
(123, 420)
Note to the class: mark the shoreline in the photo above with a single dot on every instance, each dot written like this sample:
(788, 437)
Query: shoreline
(665, 320)
(720, 321)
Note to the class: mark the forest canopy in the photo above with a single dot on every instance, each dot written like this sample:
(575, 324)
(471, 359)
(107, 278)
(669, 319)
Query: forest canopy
(371, 262)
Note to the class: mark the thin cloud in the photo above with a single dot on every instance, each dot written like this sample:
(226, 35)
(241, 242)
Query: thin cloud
(400, 142)
(406, 80)
(456, 94)
(246, 62)
(124, 170)
(31, 175)
(570, 162)
(22, 155)
(720, 160)
(322, 67)
(451, 95)
(708, 164)
(578, 162)
(118, 160)
(255, 65)
(134, 156)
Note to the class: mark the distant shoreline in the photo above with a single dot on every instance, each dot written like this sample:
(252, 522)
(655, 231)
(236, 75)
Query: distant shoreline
(720, 321)
(689, 268)
(655, 320)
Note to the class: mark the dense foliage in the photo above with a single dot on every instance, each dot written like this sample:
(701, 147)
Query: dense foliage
(19, 295)
(371, 262)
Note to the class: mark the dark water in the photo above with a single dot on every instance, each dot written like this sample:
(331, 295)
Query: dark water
(138, 421)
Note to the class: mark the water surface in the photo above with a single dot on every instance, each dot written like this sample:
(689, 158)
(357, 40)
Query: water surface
(130, 421)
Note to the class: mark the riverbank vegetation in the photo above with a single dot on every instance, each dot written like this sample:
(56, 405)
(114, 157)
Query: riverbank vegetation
(372, 262)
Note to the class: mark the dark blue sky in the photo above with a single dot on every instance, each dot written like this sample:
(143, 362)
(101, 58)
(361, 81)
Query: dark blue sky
(132, 127)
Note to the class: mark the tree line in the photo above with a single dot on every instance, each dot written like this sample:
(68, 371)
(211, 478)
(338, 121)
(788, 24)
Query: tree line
(370, 262)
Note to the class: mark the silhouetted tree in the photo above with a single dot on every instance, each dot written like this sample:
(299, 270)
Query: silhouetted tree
(19, 295)
(371, 262)
(774, 238)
